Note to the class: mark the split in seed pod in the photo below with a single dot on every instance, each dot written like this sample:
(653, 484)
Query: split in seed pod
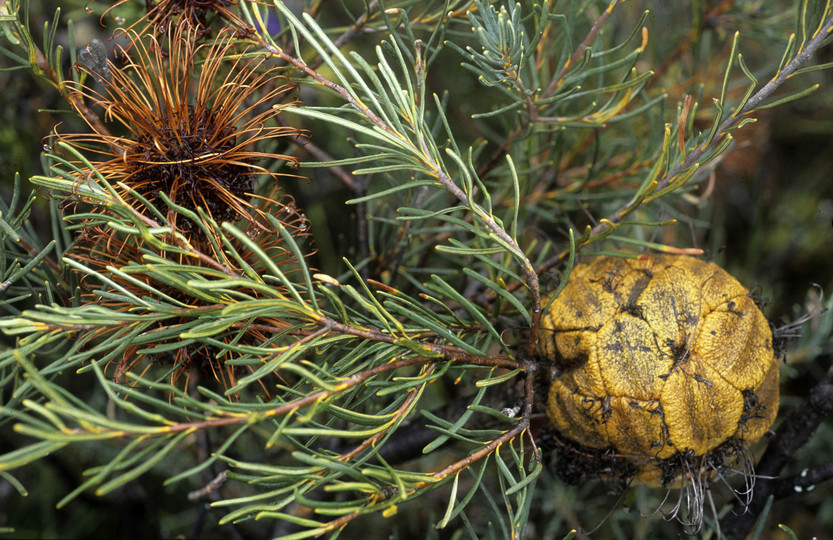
(187, 120)
(665, 370)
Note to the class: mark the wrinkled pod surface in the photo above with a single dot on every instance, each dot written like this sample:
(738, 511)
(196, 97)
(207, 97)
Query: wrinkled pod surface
(658, 360)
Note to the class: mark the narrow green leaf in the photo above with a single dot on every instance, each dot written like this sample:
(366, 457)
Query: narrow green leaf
(798, 95)
(29, 454)
(141, 468)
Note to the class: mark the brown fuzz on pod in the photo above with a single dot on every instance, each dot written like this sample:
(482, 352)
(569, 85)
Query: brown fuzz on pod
(664, 369)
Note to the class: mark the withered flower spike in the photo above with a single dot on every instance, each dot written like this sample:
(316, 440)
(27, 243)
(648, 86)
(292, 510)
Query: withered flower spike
(101, 251)
(192, 115)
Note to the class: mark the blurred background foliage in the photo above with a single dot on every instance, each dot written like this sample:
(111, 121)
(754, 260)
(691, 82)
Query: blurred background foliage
(765, 214)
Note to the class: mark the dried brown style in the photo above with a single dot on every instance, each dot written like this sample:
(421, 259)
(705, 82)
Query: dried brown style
(184, 123)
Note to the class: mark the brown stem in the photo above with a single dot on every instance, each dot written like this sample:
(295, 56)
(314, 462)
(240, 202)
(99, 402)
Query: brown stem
(403, 409)
(488, 449)
(242, 418)
(307, 70)
(597, 26)
(74, 101)
(448, 352)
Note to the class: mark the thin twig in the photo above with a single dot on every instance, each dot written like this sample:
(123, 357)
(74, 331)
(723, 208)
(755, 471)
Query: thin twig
(448, 352)
(438, 476)
(242, 418)
(340, 386)
(597, 26)
(41, 62)
(209, 488)
(693, 158)
(400, 412)
(530, 276)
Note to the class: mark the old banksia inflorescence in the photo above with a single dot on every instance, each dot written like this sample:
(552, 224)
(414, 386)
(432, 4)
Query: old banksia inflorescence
(665, 369)
(189, 129)
(100, 251)
(190, 118)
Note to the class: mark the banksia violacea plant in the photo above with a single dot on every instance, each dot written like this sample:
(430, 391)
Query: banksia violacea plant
(507, 298)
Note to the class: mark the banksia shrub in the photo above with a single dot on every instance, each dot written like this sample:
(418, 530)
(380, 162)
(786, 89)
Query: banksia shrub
(511, 322)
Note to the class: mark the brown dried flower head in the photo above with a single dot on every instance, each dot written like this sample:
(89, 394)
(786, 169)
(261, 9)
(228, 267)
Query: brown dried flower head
(133, 268)
(198, 14)
(190, 119)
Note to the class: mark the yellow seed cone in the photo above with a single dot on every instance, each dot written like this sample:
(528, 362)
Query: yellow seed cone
(656, 357)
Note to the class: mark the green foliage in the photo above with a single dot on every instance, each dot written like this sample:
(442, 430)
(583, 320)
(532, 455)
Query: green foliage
(473, 150)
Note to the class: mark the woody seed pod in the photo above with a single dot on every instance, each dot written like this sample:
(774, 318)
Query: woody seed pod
(660, 360)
